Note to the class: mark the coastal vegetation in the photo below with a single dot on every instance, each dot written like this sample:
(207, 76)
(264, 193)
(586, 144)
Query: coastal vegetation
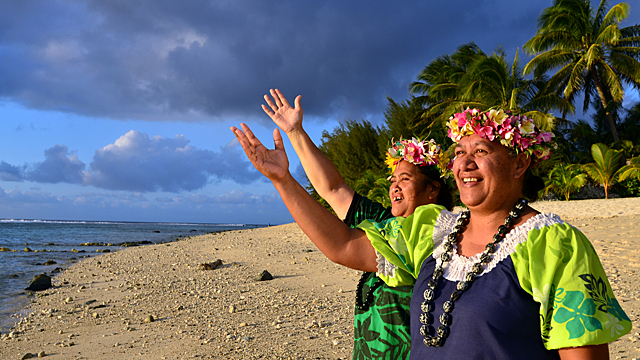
(578, 52)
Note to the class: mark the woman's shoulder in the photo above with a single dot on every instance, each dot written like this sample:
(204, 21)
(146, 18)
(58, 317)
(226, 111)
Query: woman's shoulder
(549, 229)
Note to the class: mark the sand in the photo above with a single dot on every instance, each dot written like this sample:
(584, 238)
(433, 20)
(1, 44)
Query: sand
(99, 308)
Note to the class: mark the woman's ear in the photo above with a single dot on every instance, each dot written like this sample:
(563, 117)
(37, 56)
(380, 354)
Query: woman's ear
(523, 161)
(435, 190)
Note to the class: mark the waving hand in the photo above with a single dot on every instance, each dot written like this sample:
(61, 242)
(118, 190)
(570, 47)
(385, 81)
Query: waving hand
(286, 117)
(273, 164)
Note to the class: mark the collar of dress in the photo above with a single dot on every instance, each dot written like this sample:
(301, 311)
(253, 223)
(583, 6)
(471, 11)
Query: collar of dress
(459, 265)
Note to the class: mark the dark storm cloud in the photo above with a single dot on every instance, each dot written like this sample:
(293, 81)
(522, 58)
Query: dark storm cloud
(214, 59)
(137, 162)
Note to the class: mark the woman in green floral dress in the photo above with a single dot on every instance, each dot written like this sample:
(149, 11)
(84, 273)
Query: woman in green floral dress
(381, 323)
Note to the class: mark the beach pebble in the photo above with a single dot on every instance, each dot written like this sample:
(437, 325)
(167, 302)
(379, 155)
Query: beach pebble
(42, 354)
(211, 266)
(95, 315)
(27, 356)
(50, 262)
(264, 276)
(149, 319)
(40, 282)
(69, 299)
(27, 250)
(242, 324)
(232, 309)
(336, 342)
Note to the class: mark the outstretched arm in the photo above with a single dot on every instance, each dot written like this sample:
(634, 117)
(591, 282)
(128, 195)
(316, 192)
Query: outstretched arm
(323, 175)
(341, 244)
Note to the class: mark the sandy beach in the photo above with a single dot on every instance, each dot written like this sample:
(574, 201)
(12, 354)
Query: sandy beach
(101, 307)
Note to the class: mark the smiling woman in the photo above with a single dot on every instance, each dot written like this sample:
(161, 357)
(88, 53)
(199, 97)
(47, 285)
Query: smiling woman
(487, 286)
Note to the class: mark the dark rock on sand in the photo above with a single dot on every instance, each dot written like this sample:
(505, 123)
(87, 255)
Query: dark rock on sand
(57, 270)
(264, 276)
(50, 262)
(134, 243)
(40, 282)
(211, 266)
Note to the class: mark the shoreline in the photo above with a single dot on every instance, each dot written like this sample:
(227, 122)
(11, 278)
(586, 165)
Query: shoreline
(32, 247)
(306, 311)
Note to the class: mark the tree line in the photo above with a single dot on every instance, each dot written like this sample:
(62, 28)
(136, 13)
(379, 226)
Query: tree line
(577, 50)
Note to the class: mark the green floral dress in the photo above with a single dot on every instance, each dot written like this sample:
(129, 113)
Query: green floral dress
(382, 330)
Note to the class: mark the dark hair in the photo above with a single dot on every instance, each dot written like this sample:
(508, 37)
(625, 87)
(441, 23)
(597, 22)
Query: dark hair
(531, 185)
(433, 175)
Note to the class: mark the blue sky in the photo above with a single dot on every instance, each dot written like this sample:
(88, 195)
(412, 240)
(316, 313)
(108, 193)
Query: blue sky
(120, 110)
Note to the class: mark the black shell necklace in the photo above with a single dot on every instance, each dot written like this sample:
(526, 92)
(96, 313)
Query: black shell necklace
(426, 318)
(368, 300)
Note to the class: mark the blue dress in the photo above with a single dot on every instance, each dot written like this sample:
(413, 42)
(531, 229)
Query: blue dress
(543, 290)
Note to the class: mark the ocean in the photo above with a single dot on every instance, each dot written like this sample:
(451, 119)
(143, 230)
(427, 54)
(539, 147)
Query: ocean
(59, 239)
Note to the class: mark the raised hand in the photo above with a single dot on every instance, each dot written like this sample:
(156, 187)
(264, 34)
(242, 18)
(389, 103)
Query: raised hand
(273, 164)
(286, 117)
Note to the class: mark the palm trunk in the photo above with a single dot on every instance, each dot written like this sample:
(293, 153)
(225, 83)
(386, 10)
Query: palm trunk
(603, 100)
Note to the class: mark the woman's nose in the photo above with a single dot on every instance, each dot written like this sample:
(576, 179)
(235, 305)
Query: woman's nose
(466, 162)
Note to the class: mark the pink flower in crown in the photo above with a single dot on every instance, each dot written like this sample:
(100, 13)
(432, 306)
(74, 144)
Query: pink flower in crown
(484, 131)
(414, 151)
(544, 137)
(506, 132)
(524, 142)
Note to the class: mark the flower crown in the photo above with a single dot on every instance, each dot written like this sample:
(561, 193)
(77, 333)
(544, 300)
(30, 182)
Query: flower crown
(417, 152)
(513, 131)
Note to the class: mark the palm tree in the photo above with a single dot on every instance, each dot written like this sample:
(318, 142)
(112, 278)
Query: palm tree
(438, 83)
(470, 78)
(565, 179)
(593, 54)
(606, 169)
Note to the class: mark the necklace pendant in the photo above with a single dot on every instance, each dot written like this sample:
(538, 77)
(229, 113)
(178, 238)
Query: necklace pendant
(427, 306)
(426, 318)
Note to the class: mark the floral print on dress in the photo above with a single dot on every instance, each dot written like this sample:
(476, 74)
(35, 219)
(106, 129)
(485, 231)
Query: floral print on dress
(578, 314)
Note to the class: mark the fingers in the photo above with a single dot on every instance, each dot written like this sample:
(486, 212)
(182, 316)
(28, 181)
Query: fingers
(273, 106)
(267, 110)
(276, 97)
(296, 102)
(249, 149)
(277, 140)
(250, 136)
(283, 99)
